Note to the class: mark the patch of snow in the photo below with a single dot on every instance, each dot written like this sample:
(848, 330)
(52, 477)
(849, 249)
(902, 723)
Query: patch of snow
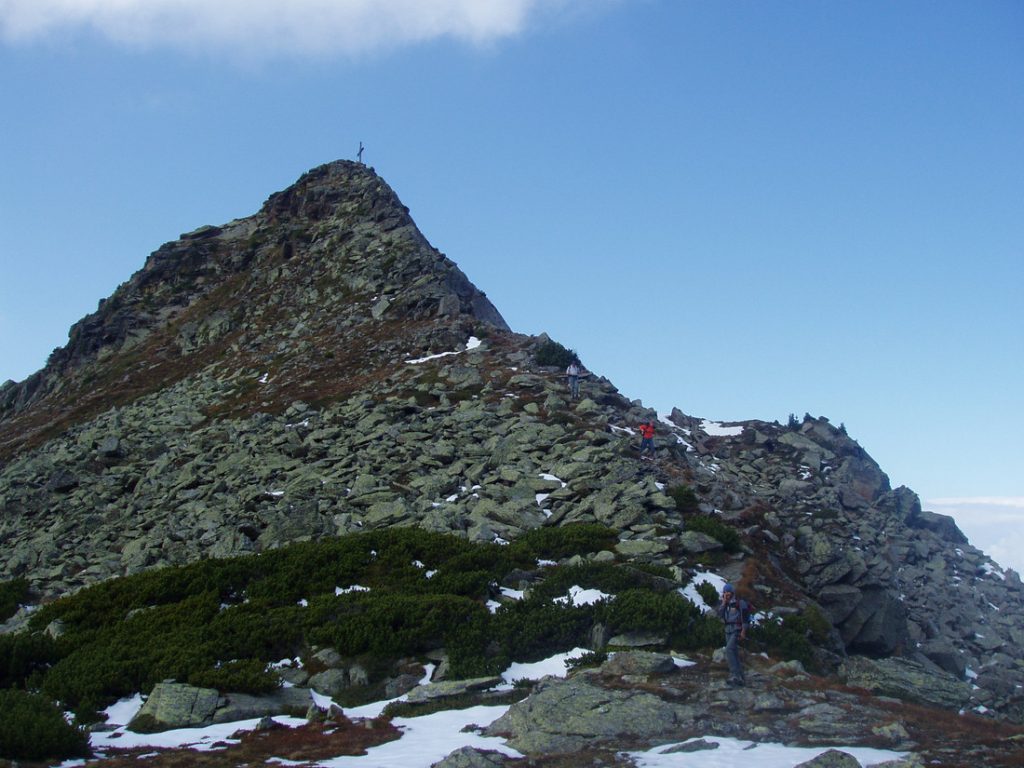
(501, 541)
(264, 378)
(512, 594)
(276, 494)
(122, 711)
(546, 563)
(552, 478)
(616, 430)
(200, 739)
(427, 739)
(579, 596)
(556, 665)
(682, 662)
(541, 498)
(492, 606)
(304, 603)
(453, 497)
(733, 752)
(970, 674)
(690, 590)
(350, 590)
(430, 574)
(418, 564)
(473, 343)
(715, 429)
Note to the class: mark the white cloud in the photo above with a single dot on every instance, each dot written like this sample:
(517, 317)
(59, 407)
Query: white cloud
(993, 501)
(994, 524)
(263, 28)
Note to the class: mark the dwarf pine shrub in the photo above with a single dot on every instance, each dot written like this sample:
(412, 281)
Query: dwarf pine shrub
(12, 594)
(716, 529)
(686, 500)
(554, 354)
(32, 728)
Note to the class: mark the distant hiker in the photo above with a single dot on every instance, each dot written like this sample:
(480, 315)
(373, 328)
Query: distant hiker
(572, 375)
(359, 154)
(647, 438)
(735, 613)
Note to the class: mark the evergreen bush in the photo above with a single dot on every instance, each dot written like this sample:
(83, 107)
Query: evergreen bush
(686, 500)
(32, 728)
(12, 594)
(551, 353)
(716, 529)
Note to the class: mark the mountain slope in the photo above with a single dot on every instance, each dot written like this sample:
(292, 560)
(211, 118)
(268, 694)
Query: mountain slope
(318, 369)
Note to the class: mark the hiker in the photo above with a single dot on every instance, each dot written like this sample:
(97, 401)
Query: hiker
(647, 438)
(735, 613)
(572, 374)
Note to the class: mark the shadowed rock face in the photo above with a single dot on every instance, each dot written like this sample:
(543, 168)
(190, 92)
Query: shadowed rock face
(305, 372)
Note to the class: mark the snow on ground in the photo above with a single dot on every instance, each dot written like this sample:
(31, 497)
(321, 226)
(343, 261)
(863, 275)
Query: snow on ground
(733, 752)
(199, 739)
(350, 590)
(716, 429)
(690, 590)
(557, 665)
(579, 596)
(473, 343)
(427, 739)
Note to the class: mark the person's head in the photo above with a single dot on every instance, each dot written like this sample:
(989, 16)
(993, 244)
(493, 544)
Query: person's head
(728, 591)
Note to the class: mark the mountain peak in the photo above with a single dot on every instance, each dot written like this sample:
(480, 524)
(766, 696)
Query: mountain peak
(321, 266)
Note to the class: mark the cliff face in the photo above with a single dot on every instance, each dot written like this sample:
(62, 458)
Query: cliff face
(318, 368)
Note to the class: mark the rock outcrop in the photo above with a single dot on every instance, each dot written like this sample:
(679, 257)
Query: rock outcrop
(319, 368)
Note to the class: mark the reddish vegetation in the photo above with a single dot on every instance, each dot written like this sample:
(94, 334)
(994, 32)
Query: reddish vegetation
(309, 743)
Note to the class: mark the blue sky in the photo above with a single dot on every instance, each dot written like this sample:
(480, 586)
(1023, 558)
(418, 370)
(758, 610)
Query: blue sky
(742, 209)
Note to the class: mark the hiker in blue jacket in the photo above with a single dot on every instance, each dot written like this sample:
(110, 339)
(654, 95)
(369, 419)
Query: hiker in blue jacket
(735, 613)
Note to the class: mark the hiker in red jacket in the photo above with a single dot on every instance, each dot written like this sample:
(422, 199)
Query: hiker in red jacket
(647, 438)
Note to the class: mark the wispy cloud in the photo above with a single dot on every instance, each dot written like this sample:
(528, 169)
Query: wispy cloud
(972, 501)
(273, 27)
(994, 524)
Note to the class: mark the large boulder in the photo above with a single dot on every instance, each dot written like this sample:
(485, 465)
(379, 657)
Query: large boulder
(907, 680)
(569, 715)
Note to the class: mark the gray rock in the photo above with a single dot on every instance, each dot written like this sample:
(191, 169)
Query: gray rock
(638, 663)
(905, 679)
(176, 705)
(470, 757)
(832, 758)
(570, 715)
(441, 690)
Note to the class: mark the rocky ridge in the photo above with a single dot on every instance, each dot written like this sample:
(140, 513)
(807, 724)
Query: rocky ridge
(319, 368)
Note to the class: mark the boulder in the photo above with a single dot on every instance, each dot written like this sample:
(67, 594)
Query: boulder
(471, 757)
(832, 758)
(176, 705)
(578, 713)
(638, 663)
(907, 680)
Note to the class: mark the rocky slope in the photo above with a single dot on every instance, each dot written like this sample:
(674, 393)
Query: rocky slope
(319, 368)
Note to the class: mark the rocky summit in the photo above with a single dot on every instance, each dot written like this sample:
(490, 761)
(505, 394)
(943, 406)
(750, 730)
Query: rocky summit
(319, 369)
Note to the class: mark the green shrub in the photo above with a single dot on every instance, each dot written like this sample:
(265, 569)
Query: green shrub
(245, 676)
(24, 655)
(708, 593)
(554, 354)
(784, 639)
(32, 728)
(606, 577)
(557, 542)
(12, 594)
(589, 659)
(716, 529)
(686, 500)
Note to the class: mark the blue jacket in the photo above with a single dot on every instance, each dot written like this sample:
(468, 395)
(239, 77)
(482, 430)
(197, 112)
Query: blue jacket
(736, 615)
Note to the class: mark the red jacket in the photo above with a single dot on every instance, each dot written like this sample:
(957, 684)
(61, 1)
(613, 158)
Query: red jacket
(646, 431)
